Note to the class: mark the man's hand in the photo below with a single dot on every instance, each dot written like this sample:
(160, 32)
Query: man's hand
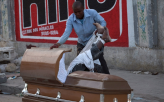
(100, 28)
(55, 46)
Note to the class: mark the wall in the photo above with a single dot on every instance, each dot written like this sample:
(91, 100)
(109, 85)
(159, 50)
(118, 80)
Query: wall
(145, 51)
(160, 9)
(7, 25)
(134, 58)
(0, 23)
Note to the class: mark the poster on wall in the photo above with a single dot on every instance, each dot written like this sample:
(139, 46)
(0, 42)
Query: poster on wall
(44, 21)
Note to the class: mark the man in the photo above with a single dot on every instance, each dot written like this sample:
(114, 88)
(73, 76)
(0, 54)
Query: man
(82, 21)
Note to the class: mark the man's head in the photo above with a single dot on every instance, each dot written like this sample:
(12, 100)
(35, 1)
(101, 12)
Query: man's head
(78, 9)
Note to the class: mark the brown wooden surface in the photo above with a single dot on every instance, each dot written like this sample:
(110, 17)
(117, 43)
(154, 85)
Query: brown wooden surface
(42, 63)
(98, 82)
(39, 69)
(67, 94)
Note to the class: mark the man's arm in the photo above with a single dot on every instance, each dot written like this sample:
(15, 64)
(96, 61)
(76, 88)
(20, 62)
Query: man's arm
(98, 18)
(67, 32)
(65, 36)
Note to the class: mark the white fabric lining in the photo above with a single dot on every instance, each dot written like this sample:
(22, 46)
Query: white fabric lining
(62, 73)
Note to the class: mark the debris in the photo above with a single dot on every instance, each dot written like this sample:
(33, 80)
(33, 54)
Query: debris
(137, 72)
(3, 68)
(155, 73)
(137, 98)
(11, 78)
(2, 43)
(29, 46)
(19, 95)
(17, 61)
(15, 74)
(3, 78)
(17, 71)
(11, 67)
(5, 93)
(7, 53)
(146, 72)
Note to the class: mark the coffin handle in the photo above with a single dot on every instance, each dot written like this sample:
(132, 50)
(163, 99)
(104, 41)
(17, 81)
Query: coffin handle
(25, 89)
(58, 96)
(82, 99)
(37, 92)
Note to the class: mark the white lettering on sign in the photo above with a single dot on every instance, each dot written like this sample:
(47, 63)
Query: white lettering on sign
(29, 31)
(24, 32)
(35, 30)
(54, 32)
(45, 33)
(51, 26)
(46, 28)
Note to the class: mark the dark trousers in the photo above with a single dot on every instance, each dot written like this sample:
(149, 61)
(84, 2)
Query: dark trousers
(104, 66)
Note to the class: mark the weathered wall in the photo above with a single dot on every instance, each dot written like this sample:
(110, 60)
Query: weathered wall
(145, 23)
(145, 54)
(160, 9)
(7, 25)
(0, 23)
(134, 58)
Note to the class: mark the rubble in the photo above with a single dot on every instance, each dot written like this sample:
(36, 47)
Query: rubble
(3, 68)
(137, 98)
(7, 53)
(11, 67)
(11, 78)
(17, 61)
(2, 43)
(137, 72)
(146, 72)
(3, 78)
(155, 73)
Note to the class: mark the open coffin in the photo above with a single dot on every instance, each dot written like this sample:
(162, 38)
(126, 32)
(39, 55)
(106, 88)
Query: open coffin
(41, 71)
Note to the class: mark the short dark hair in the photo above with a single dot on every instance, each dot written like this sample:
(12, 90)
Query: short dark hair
(77, 4)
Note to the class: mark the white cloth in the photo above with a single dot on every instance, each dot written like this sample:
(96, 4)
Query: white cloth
(62, 73)
(89, 46)
(85, 57)
(99, 38)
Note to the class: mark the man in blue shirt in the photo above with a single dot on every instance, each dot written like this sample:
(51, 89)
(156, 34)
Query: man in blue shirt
(82, 20)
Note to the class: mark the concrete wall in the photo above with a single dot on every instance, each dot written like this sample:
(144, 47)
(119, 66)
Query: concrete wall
(7, 25)
(160, 9)
(144, 52)
(134, 58)
(0, 23)
(145, 23)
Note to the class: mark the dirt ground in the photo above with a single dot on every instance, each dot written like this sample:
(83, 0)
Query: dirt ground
(10, 98)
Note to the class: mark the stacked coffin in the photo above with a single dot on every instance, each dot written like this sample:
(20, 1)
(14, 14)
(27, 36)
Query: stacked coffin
(40, 69)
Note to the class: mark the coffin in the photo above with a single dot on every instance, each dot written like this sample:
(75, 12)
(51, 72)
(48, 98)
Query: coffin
(40, 70)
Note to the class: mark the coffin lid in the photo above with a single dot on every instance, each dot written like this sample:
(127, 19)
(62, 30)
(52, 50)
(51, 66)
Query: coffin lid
(98, 82)
(42, 64)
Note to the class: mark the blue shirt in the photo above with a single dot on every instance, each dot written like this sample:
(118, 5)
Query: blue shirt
(81, 20)
(84, 31)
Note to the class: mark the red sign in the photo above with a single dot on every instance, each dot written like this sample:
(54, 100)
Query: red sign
(44, 21)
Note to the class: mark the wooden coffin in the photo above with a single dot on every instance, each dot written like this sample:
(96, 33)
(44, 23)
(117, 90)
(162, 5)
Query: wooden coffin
(39, 70)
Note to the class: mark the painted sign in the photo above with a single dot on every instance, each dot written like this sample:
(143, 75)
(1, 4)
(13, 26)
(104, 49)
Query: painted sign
(44, 21)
